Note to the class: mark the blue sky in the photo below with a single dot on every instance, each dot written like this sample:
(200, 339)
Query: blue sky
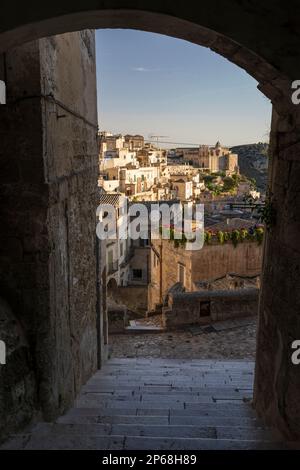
(154, 84)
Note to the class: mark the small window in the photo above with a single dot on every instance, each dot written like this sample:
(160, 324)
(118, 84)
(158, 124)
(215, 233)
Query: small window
(137, 273)
(121, 249)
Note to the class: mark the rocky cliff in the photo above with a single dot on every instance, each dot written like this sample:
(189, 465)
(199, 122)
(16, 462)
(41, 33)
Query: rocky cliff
(253, 162)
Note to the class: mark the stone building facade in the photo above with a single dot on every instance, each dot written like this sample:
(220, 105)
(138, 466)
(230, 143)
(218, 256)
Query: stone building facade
(212, 159)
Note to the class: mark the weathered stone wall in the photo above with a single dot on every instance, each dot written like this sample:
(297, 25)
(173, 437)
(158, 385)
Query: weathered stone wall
(217, 260)
(188, 308)
(277, 382)
(24, 275)
(212, 261)
(117, 320)
(18, 392)
(49, 170)
(70, 152)
(134, 297)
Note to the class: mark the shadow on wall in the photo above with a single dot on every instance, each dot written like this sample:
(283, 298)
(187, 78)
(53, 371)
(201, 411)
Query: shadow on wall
(17, 378)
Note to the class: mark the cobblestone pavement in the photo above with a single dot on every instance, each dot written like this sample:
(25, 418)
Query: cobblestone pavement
(234, 343)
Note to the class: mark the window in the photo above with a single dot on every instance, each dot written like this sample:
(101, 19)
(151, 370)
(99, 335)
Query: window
(205, 309)
(137, 273)
(181, 273)
(143, 241)
(121, 249)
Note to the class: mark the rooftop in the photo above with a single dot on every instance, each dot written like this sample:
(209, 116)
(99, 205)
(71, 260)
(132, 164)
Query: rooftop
(231, 224)
(114, 199)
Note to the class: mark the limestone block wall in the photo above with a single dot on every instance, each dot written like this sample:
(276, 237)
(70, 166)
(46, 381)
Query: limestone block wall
(217, 260)
(18, 392)
(71, 171)
(117, 320)
(277, 381)
(49, 172)
(134, 297)
(189, 307)
(170, 258)
(212, 261)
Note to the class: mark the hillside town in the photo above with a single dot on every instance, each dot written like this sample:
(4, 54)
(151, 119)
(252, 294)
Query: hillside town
(157, 284)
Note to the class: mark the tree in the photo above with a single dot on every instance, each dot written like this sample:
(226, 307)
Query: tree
(229, 183)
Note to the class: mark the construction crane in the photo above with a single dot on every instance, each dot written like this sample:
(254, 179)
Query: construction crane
(157, 137)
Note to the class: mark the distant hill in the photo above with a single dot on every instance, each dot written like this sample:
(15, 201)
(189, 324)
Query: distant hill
(253, 162)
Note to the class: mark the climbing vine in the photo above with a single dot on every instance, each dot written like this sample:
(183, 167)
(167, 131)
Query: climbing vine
(237, 236)
(267, 214)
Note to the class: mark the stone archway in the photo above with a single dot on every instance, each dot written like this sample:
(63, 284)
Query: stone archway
(262, 39)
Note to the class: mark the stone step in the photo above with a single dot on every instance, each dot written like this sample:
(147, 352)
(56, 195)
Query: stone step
(162, 381)
(166, 390)
(113, 419)
(164, 401)
(159, 404)
(79, 418)
(165, 361)
(64, 442)
(207, 409)
(180, 363)
(185, 395)
(87, 401)
(87, 442)
(157, 443)
(143, 329)
(150, 430)
(190, 368)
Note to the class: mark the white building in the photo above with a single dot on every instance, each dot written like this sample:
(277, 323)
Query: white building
(116, 249)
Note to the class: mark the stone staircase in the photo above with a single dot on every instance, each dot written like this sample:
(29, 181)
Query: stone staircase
(157, 404)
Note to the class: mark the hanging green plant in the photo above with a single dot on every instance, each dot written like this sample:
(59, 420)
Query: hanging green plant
(267, 213)
(235, 237)
(259, 234)
(226, 236)
(220, 236)
(243, 234)
(207, 237)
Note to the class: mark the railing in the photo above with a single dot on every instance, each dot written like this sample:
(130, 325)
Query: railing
(246, 205)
